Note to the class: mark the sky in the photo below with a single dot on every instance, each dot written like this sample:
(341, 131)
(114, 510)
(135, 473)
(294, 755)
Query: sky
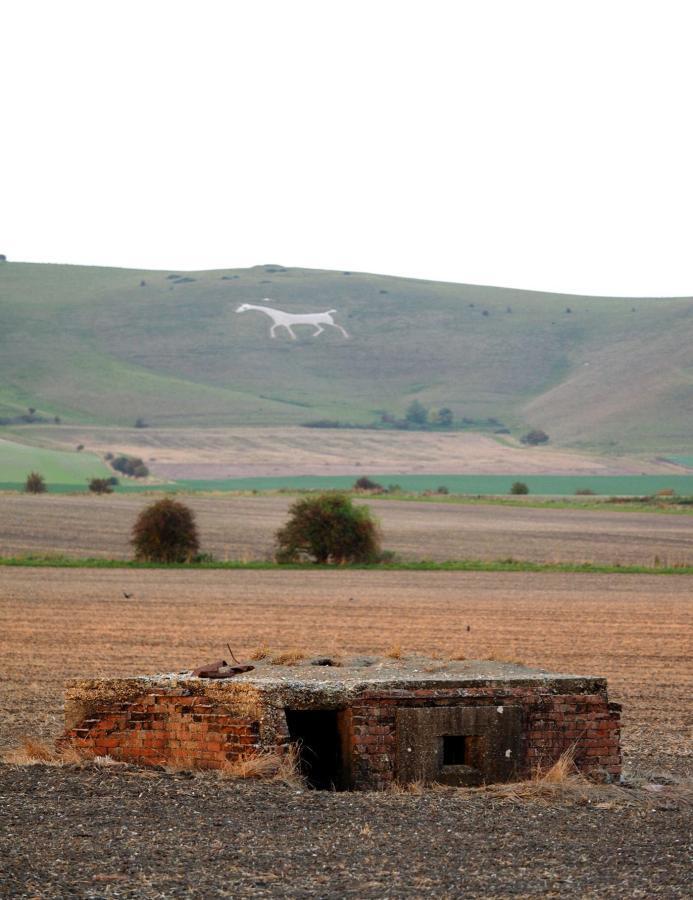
(542, 145)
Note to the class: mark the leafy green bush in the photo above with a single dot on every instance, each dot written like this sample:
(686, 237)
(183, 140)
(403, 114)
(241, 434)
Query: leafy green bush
(165, 531)
(534, 437)
(364, 483)
(328, 529)
(35, 483)
(416, 413)
(519, 487)
(100, 486)
(130, 465)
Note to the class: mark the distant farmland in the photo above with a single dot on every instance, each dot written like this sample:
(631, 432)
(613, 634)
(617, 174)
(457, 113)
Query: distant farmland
(469, 485)
(242, 528)
(56, 466)
(609, 485)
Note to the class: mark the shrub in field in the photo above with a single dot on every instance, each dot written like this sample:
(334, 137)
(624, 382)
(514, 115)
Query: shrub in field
(584, 492)
(416, 413)
(165, 531)
(366, 484)
(35, 483)
(130, 465)
(519, 487)
(328, 528)
(534, 437)
(100, 485)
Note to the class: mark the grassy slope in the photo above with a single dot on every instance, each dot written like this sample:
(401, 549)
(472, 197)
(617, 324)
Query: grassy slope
(17, 460)
(92, 345)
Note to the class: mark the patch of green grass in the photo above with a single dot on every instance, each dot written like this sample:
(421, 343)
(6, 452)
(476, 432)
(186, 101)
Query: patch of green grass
(59, 468)
(461, 565)
(682, 460)
(543, 485)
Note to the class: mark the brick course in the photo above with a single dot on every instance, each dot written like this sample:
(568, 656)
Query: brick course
(194, 724)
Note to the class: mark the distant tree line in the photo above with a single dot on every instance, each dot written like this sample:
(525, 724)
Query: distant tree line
(30, 417)
(417, 417)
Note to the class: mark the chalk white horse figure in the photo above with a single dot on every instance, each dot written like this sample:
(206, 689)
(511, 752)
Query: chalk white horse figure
(286, 320)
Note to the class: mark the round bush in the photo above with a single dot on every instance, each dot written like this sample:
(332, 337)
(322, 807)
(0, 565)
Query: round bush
(328, 529)
(100, 486)
(35, 483)
(519, 487)
(166, 532)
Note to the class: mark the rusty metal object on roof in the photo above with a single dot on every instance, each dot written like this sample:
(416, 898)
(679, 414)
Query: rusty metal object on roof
(220, 669)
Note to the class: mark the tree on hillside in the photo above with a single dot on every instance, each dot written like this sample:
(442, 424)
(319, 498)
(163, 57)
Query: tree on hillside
(443, 417)
(328, 529)
(534, 437)
(416, 413)
(130, 465)
(35, 483)
(165, 531)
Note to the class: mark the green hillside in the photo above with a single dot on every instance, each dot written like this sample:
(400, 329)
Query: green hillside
(97, 345)
(57, 467)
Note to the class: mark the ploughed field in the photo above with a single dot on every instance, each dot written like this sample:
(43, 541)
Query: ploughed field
(123, 832)
(636, 630)
(240, 527)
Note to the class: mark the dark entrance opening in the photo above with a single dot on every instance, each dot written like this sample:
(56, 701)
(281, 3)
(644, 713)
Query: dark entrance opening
(317, 734)
(455, 750)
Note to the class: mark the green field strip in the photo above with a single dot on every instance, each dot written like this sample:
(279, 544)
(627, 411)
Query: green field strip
(544, 485)
(462, 565)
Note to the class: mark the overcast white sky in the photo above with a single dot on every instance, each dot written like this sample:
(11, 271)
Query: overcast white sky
(524, 143)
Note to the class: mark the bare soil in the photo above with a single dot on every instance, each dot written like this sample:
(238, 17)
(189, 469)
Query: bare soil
(124, 832)
(238, 527)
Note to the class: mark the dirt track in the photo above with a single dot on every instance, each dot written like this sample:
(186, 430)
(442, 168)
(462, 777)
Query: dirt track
(243, 528)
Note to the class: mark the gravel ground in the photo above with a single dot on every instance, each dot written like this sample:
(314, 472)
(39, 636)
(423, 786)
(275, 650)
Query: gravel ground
(121, 832)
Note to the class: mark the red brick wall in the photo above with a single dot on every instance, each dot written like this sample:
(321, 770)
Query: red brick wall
(166, 726)
(553, 724)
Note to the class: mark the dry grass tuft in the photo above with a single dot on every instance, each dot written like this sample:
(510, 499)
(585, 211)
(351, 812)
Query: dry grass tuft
(266, 765)
(562, 783)
(32, 752)
(287, 658)
(411, 787)
(395, 651)
(262, 651)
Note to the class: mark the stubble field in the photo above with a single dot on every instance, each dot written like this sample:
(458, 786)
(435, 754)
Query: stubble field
(57, 624)
(256, 452)
(114, 832)
(242, 527)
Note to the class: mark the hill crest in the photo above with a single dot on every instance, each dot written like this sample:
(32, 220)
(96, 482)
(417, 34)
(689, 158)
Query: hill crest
(109, 346)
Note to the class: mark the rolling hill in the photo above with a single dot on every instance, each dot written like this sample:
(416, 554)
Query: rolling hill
(108, 346)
